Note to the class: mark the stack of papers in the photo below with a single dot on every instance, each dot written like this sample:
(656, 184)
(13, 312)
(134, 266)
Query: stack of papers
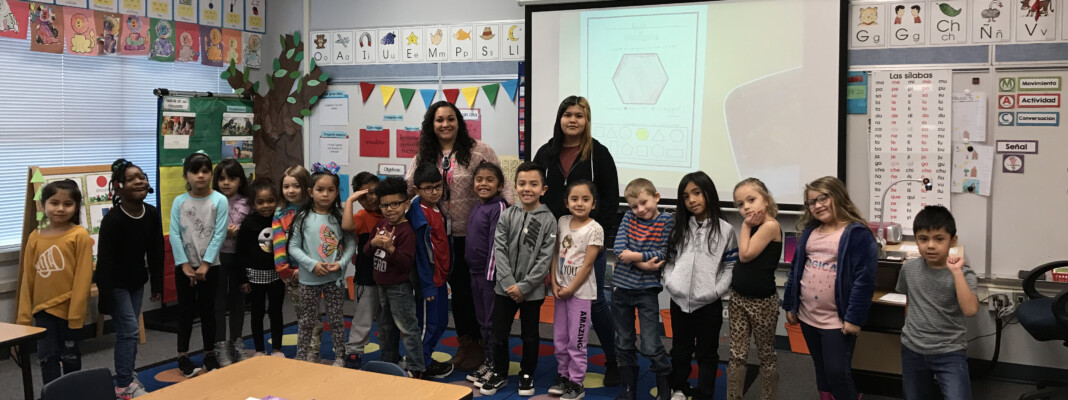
(896, 298)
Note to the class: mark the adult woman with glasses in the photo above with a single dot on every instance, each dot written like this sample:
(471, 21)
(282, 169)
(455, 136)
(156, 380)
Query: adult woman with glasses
(444, 141)
(573, 154)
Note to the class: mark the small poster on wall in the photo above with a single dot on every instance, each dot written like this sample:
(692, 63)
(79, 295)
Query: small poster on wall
(252, 49)
(407, 142)
(473, 120)
(233, 14)
(177, 128)
(255, 14)
(374, 143)
(135, 7)
(210, 14)
(186, 10)
(160, 9)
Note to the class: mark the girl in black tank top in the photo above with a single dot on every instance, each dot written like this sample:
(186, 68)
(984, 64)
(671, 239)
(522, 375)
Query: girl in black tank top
(754, 304)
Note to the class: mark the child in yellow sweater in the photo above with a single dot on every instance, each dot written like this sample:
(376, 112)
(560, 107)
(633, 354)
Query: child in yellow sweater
(57, 270)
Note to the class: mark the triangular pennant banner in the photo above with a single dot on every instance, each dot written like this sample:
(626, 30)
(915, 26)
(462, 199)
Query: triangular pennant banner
(450, 94)
(40, 215)
(406, 95)
(469, 94)
(509, 87)
(387, 94)
(491, 92)
(428, 96)
(37, 197)
(37, 177)
(365, 90)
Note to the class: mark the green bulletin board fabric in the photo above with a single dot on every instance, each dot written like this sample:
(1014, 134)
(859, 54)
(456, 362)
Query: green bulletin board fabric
(207, 114)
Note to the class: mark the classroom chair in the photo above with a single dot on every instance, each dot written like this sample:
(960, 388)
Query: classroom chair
(1045, 318)
(92, 384)
(383, 367)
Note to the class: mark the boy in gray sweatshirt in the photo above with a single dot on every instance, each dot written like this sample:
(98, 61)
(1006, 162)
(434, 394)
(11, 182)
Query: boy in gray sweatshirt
(523, 250)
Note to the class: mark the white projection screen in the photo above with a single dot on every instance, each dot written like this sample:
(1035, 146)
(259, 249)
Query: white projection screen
(735, 88)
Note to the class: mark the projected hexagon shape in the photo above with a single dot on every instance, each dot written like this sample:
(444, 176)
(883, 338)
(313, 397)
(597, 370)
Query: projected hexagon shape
(640, 78)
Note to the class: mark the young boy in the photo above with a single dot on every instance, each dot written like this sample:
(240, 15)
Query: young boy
(641, 249)
(366, 291)
(392, 245)
(432, 263)
(523, 247)
(941, 292)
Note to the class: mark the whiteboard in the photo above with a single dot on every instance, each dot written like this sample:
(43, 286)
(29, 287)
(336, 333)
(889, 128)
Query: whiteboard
(499, 122)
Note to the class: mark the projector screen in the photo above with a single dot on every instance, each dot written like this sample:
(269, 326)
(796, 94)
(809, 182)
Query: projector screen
(735, 88)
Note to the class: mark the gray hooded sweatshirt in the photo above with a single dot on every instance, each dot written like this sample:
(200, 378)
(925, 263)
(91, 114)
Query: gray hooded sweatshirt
(523, 250)
(697, 276)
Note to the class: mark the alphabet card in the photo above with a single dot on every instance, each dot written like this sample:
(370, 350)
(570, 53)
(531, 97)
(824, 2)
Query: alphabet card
(948, 22)
(186, 11)
(104, 5)
(1036, 20)
(344, 41)
(210, 14)
(388, 50)
(461, 44)
(160, 9)
(135, 7)
(321, 49)
(412, 42)
(365, 47)
(909, 22)
(488, 42)
(867, 25)
(512, 43)
(991, 20)
(255, 11)
(233, 14)
(437, 47)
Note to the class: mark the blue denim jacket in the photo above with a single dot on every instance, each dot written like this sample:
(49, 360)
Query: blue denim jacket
(858, 259)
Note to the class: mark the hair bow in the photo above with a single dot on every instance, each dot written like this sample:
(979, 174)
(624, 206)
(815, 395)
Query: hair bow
(120, 164)
(330, 167)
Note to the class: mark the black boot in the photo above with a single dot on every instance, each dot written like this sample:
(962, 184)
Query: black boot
(629, 377)
(611, 374)
(663, 387)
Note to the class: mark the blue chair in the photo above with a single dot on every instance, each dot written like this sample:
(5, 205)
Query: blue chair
(1045, 318)
(93, 384)
(383, 367)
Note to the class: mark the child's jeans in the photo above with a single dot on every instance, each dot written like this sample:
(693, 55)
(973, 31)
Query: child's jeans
(363, 316)
(571, 332)
(127, 309)
(58, 346)
(832, 355)
(398, 313)
(918, 373)
(504, 309)
(624, 303)
(309, 318)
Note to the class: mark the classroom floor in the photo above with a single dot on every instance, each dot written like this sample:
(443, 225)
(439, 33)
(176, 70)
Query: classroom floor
(796, 381)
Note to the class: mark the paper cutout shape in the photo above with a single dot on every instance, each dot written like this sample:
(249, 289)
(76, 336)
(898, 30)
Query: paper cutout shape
(365, 90)
(46, 28)
(80, 36)
(428, 96)
(134, 36)
(37, 196)
(40, 215)
(162, 33)
(109, 30)
(188, 42)
(211, 46)
(491, 92)
(387, 94)
(252, 49)
(469, 94)
(231, 46)
(510, 87)
(37, 177)
(374, 143)
(450, 94)
(406, 96)
(14, 18)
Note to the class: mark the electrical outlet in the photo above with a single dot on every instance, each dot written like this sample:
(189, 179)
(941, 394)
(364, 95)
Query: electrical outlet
(996, 297)
(1018, 298)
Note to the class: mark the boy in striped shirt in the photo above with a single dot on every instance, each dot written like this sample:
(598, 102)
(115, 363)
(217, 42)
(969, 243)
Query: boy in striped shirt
(641, 247)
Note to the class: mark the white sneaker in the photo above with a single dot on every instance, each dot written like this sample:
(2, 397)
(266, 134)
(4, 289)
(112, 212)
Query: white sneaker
(238, 352)
(134, 390)
(278, 354)
(339, 362)
(678, 395)
(222, 353)
(259, 354)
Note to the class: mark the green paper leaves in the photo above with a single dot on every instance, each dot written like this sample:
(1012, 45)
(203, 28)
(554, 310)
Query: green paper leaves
(305, 112)
(239, 90)
(289, 53)
(225, 74)
(244, 74)
(313, 99)
(299, 121)
(312, 63)
(270, 84)
(291, 100)
(313, 83)
(256, 127)
(300, 57)
(255, 86)
(323, 77)
(279, 73)
(277, 64)
(294, 75)
(296, 38)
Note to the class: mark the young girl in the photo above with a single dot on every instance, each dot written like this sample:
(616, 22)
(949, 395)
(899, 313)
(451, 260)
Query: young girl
(229, 179)
(294, 187)
(197, 230)
(129, 236)
(254, 248)
(830, 284)
(361, 224)
(703, 250)
(754, 299)
(481, 227)
(57, 271)
(321, 249)
(580, 241)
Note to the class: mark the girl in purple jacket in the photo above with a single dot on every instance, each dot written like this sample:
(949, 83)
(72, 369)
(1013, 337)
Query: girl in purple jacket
(481, 227)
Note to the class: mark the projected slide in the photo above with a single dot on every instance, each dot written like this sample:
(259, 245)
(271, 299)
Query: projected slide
(646, 70)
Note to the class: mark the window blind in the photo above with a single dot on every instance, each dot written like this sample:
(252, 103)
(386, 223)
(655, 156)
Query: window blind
(62, 109)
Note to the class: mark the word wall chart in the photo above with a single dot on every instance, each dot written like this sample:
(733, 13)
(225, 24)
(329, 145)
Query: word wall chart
(911, 138)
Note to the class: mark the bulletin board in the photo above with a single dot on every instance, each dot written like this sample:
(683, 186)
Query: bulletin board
(96, 201)
(390, 132)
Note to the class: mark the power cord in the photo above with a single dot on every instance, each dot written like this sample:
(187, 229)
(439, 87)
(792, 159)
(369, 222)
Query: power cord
(1004, 316)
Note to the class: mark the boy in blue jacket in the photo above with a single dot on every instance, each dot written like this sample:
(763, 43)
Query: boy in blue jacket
(433, 261)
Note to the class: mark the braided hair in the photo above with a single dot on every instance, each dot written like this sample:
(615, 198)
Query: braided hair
(118, 178)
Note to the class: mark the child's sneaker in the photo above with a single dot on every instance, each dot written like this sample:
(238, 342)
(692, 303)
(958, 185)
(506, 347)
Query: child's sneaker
(352, 361)
(495, 381)
(210, 362)
(678, 395)
(237, 350)
(339, 362)
(480, 374)
(186, 366)
(438, 369)
(222, 353)
(574, 391)
(526, 385)
(278, 353)
(416, 374)
(129, 392)
(559, 386)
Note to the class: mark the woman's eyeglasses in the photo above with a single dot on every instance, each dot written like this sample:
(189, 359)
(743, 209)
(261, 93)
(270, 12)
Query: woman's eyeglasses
(821, 200)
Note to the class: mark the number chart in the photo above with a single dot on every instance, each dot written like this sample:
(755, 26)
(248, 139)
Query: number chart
(910, 139)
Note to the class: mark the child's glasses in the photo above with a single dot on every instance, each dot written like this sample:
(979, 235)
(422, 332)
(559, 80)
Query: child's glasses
(433, 188)
(390, 206)
(821, 200)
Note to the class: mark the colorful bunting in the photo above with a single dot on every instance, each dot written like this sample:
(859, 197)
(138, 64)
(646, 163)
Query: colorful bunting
(40, 216)
(469, 94)
(450, 94)
(365, 90)
(491, 92)
(37, 196)
(428, 96)
(387, 94)
(510, 87)
(37, 177)
(406, 95)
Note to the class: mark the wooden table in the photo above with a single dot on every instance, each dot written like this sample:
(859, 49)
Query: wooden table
(21, 337)
(298, 380)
